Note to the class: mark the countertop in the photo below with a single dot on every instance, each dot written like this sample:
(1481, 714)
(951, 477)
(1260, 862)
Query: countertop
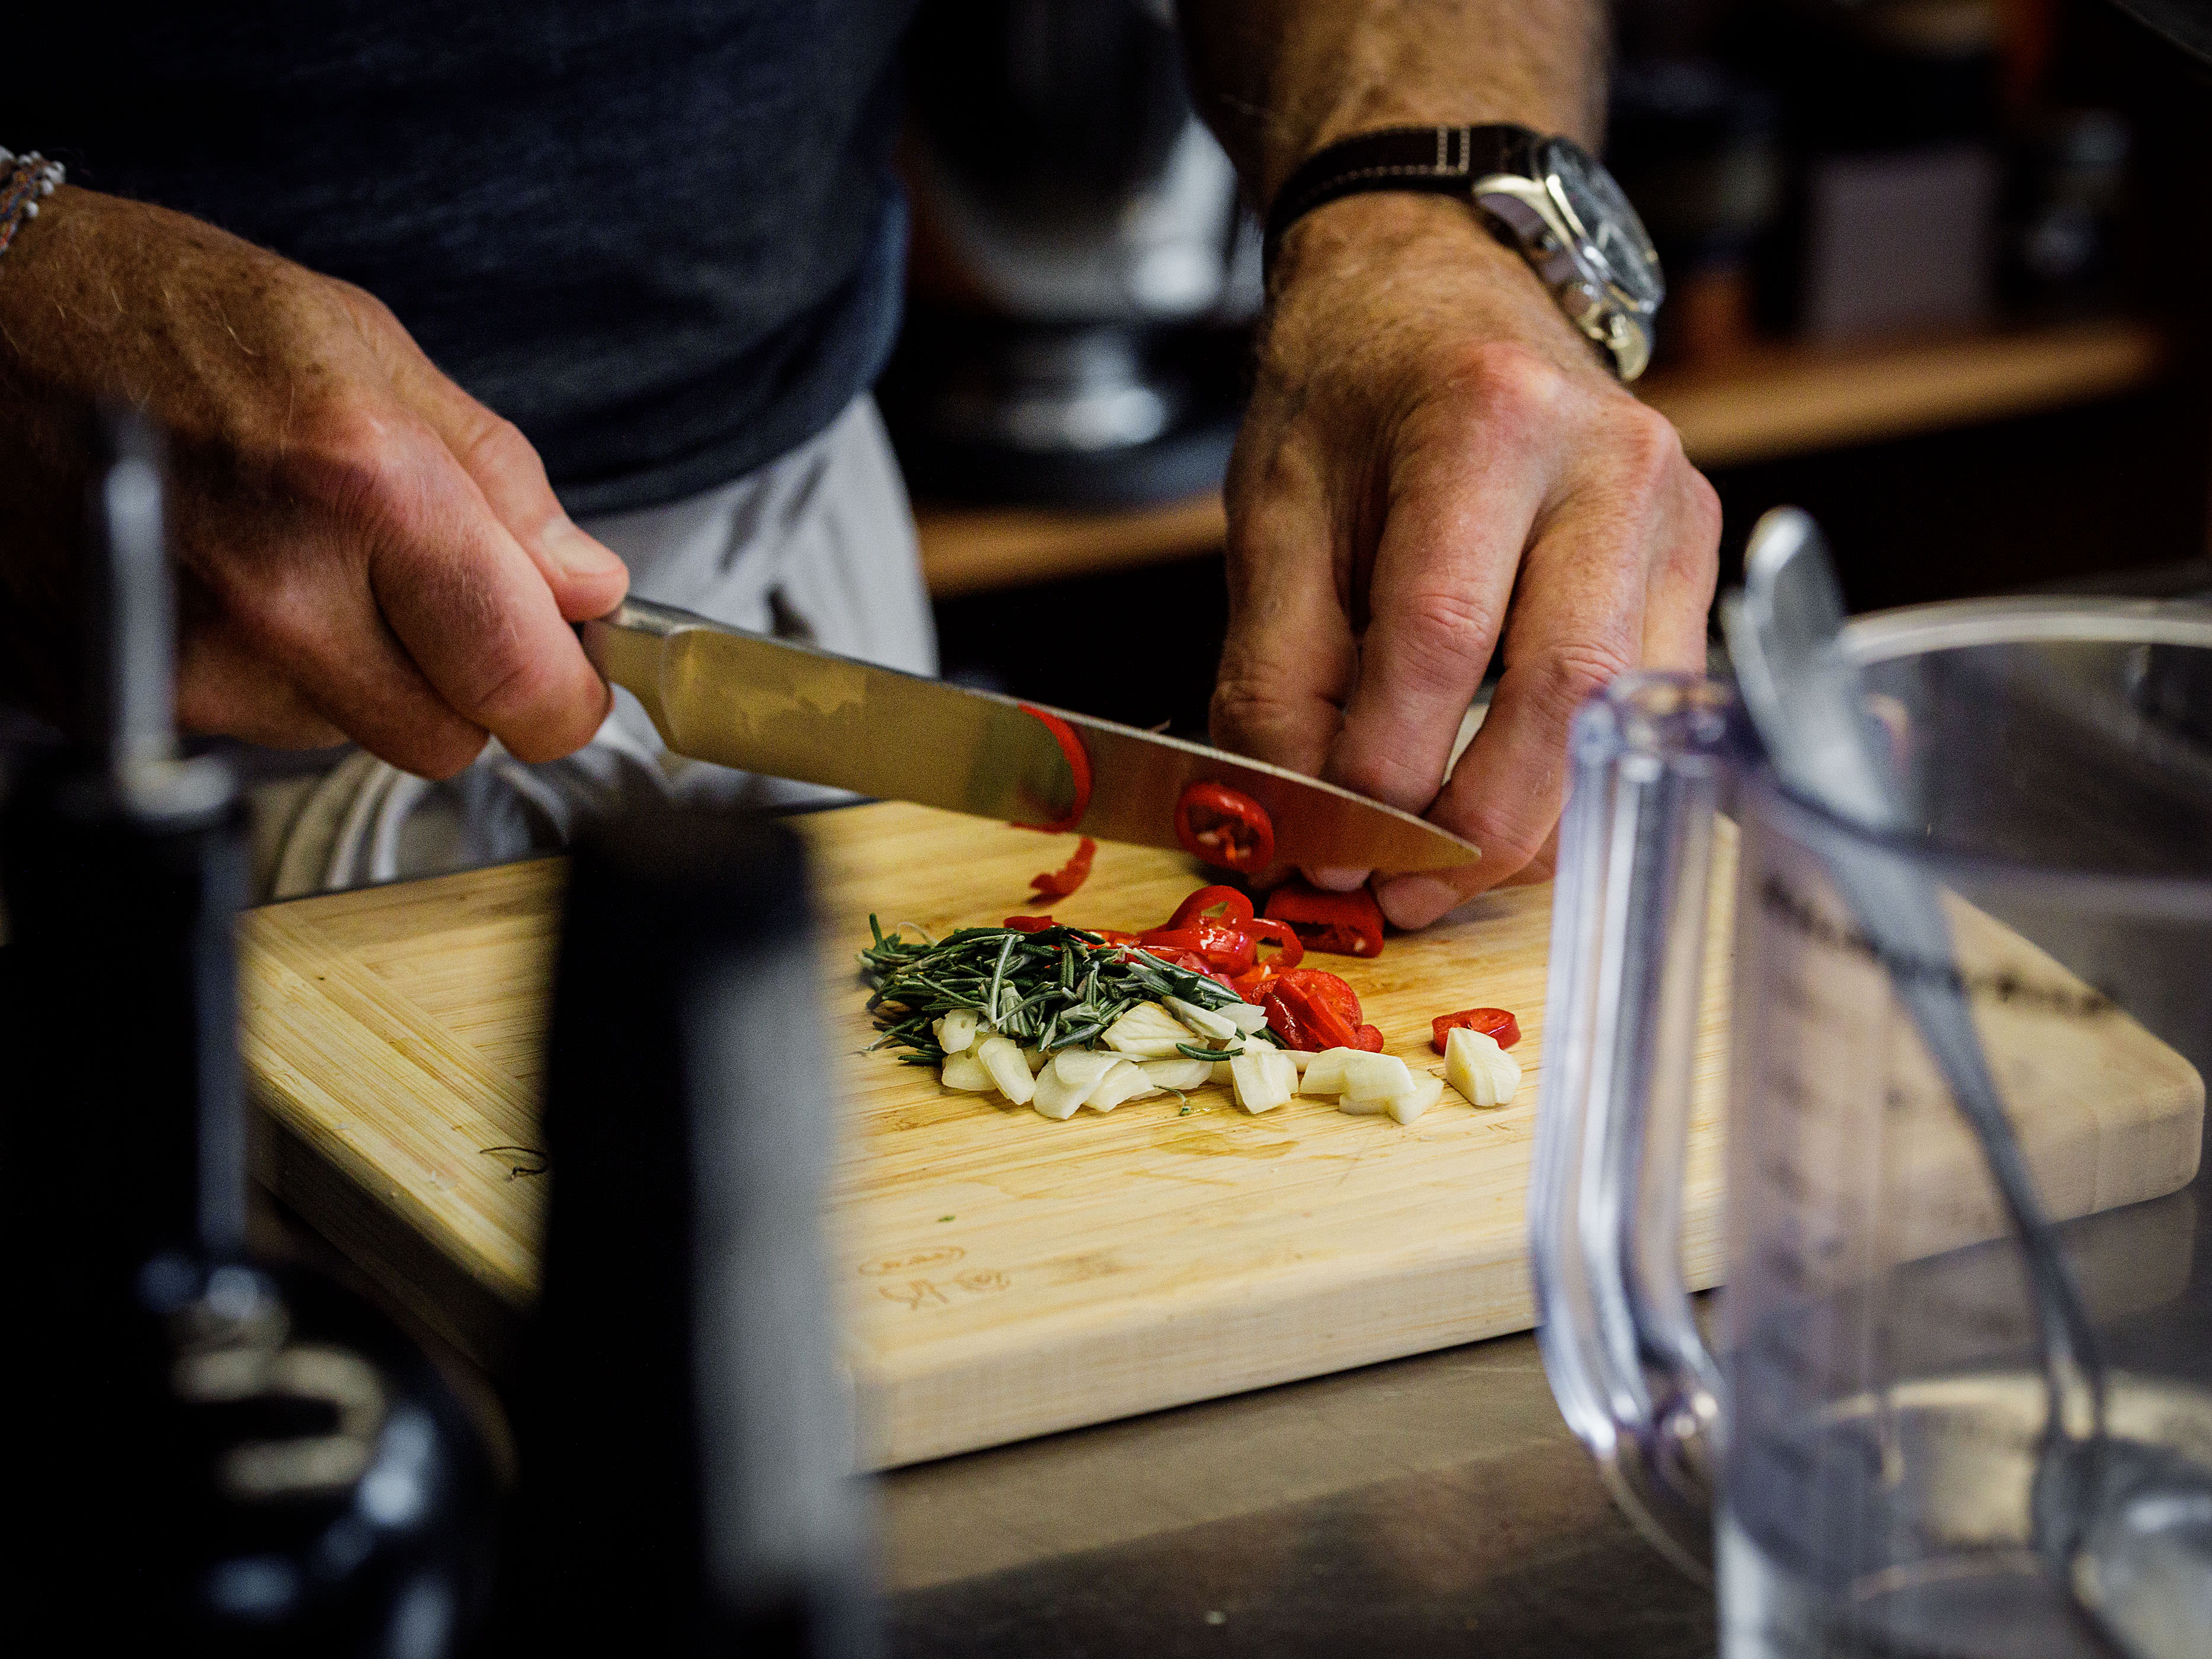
(1436, 1505)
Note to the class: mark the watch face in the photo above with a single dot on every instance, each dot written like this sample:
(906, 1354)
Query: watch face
(1613, 238)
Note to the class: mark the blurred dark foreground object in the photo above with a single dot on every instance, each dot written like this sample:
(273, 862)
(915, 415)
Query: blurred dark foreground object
(683, 1436)
(2186, 23)
(205, 1457)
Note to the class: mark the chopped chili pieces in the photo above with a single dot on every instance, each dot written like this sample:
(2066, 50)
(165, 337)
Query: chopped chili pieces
(1030, 924)
(1224, 827)
(1190, 960)
(1311, 1010)
(1079, 763)
(1494, 1022)
(1289, 949)
(1234, 907)
(1342, 924)
(1284, 1021)
(1059, 883)
(1226, 949)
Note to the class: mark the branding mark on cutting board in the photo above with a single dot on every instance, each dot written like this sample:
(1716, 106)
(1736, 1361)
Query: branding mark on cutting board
(920, 1293)
(519, 1160)
(906, 1264)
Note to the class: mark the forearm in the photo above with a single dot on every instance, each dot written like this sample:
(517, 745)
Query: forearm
(1278, 79)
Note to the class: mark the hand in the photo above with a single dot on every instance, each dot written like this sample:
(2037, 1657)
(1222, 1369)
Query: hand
(1436, 466)
(363, 550)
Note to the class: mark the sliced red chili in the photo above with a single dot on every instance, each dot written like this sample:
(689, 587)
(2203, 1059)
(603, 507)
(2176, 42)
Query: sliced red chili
(1224, 827)
(1253, 984)
(1314, 982)
(1191, 962)
(1236, 910)
(1079, 763)
(1284, 1022)
(1323, 1024)
(1495, 1023)
(1289, 949)
(1343, 924)
(1059, 883)
(1226, 949)
(1030, 924)
(1370, 1039)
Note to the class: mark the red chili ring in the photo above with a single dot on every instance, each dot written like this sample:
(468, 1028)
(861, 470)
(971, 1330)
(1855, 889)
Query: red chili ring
(1078, 762)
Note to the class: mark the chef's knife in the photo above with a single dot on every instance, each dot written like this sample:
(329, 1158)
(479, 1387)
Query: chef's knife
(767, 705)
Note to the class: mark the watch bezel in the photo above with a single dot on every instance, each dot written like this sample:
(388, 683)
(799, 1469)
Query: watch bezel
(1532, 209)
(1593, 263)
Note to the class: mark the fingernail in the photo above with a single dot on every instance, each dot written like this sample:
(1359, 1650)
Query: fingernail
(1338, 881)
(577, 554)
(1416, 900)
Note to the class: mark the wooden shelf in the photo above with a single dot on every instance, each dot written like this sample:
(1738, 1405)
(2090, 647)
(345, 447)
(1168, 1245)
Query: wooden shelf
(1795, 400)
(1765, 405)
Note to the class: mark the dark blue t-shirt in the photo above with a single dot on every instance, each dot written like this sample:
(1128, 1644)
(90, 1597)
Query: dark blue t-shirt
(660, 235)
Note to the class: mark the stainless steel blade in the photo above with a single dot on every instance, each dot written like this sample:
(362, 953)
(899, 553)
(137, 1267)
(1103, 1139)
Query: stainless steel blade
(767, 705)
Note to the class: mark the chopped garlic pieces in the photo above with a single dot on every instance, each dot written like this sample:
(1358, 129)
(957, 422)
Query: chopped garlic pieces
(1476, 1066)
(1179, 1073)
(1008, 1069)
(956, 1031)
(1148, 1031)
(966, 1073)
(1206, 1021)
(1263, 1078)
(1127, 1081)
(1354, 1072)
(1055, 1096)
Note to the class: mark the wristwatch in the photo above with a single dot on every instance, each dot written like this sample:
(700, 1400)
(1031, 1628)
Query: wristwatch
(1545, 197)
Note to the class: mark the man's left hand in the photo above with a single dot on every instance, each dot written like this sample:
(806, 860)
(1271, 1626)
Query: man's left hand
(1437, 467)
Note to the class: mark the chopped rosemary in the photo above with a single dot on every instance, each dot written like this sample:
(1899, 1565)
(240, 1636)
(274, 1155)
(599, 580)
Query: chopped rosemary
(1056, 988)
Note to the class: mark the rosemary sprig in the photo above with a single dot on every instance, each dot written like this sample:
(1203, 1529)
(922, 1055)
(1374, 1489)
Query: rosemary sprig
(1057, 988)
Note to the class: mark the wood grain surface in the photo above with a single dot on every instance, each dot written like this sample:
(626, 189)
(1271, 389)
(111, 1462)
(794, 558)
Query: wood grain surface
(1006, 1276)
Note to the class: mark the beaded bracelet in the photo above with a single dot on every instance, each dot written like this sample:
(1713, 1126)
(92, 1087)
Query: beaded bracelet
(25, 181)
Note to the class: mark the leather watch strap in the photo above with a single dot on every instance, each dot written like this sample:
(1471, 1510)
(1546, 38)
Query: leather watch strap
(1447, 161)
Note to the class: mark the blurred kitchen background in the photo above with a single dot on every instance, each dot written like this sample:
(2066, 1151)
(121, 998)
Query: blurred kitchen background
(1934, 269)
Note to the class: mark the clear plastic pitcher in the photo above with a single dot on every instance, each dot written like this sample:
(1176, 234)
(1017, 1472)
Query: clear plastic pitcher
(1855, 1449)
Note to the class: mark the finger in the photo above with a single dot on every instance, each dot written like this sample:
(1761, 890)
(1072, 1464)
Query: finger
(587, 579)
(1678, 607)
(1463, 497)
(1288, 661)
(1578, 622)
(471, 609)
(224, 689)
(306, 640)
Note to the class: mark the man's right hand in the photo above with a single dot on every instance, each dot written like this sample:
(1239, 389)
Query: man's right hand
(363, 550)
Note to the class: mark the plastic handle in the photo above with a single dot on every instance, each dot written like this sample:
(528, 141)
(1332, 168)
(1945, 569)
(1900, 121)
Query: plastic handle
(1650, 757)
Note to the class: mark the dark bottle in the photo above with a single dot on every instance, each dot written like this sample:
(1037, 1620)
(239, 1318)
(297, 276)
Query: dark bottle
(684, 1440)
(203, 1453)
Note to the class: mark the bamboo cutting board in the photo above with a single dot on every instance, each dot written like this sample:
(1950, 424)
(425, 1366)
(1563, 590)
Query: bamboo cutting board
(1007, 1276)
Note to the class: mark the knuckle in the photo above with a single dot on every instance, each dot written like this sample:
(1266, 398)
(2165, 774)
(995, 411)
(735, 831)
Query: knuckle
(1392, 776)
(1563, 676)
(1246, 708)
(1509, 377)
(496, 445)
(1646, 452)
(357, 458)
(1512, 833)
(1438, 629)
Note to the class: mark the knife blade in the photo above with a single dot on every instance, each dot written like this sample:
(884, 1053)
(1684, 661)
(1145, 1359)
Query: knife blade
(721, 694)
